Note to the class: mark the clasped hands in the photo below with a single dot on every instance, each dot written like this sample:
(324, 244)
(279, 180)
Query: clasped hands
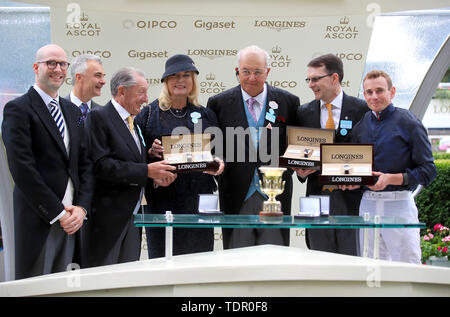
(73, 219)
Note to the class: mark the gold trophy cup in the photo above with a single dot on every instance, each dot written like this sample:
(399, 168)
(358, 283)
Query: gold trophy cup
(272, 185)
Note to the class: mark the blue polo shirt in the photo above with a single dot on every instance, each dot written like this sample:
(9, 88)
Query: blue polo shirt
(400, 145)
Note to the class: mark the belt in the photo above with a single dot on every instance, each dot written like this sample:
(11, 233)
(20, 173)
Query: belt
(394, 195)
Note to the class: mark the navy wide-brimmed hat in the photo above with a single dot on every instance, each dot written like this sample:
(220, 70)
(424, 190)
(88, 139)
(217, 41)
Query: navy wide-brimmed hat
(178, 63)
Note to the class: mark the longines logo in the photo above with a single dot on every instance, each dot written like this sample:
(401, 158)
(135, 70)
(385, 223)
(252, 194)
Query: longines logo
(99, 53)
(211, 25)
(345, 157)
(153, 81)
(279, 60)
(147, 54)
(211, 86)
(342, 31)
(150, 24)
(211, 53)
(83, 28)
(279, 25)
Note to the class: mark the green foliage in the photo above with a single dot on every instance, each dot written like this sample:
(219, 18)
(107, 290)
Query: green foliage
(433, 201)
(441, 156)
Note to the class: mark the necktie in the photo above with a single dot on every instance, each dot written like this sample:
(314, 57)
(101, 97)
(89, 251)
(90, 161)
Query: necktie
(57, 116)
(130, 124)
(251, 107)
(84, 111)
(330, 121)
(378, 115)
(329, 125)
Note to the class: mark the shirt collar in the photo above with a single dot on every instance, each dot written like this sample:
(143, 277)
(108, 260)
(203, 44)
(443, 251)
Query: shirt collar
(385, 113)
(45, 97)
(77, 101)
(123, 113)
(260, 98)
(336, 102)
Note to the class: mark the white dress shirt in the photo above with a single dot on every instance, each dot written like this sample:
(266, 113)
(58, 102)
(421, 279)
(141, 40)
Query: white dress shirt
(335, 110)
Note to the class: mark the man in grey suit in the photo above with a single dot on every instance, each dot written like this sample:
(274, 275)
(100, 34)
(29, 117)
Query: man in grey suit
(88, 78)
(47, 158)
(324, 77)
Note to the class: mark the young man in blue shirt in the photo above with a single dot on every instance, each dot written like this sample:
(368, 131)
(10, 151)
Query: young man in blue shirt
(402, 160)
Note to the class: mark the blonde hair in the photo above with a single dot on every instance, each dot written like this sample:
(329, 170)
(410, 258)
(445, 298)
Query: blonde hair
(165, 101)
(378, 73)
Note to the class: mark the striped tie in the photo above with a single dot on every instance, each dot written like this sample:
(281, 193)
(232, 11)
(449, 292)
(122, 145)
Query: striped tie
(57, 116)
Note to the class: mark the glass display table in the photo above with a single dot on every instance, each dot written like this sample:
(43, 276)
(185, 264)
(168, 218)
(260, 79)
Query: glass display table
(170, 221)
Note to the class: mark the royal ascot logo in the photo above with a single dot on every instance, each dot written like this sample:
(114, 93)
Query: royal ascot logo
(214, 25)
(99, 53)
(279, 60)
(211, 86)
(279, 25)
(142, 55)
(342, 31)
(149, 24)
(211, 53)
(83, 28)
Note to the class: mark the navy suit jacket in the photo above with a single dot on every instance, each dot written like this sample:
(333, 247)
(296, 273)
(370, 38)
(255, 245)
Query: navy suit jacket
(120, 174)
(308, 115)
(40, 167)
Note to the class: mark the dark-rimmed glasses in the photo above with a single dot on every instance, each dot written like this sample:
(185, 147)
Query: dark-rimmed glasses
(316, 79)
(52, 64)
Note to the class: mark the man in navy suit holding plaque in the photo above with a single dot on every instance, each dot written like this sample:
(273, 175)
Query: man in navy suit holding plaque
(263, 111)
(331, 109)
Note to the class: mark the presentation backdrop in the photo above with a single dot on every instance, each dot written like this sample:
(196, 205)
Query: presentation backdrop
(146, 41)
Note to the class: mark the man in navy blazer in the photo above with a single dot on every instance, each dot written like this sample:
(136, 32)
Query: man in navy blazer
(324, 76)
(239, 190)
(121, 171)
(50, 168)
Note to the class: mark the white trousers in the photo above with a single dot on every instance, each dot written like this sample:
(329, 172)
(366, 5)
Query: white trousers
(396, 244)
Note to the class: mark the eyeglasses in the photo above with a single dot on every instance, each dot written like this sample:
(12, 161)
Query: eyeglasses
(256, 72)
(316, 79)
(52, 64)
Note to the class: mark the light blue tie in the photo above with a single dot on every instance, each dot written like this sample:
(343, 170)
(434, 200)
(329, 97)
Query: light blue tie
(57, 116)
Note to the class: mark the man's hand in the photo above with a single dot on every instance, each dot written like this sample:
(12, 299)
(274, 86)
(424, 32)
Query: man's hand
(385, 180)
(220, 170)
(160, 170)
(156, 150)
(72, 221)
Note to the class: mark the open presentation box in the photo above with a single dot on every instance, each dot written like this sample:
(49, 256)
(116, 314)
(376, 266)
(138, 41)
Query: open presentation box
(189, 152)
(303, 147)
(346, 164)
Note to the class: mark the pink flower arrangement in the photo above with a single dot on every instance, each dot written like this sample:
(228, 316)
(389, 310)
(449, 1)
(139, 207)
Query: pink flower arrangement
(436, 243)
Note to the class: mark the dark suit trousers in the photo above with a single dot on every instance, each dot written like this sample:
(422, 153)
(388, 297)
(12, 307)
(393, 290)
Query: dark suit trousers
(342, 241)
(56, 254)
(245, 237)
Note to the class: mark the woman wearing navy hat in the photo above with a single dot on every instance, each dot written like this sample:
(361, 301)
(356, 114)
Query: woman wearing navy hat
(177, 106)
